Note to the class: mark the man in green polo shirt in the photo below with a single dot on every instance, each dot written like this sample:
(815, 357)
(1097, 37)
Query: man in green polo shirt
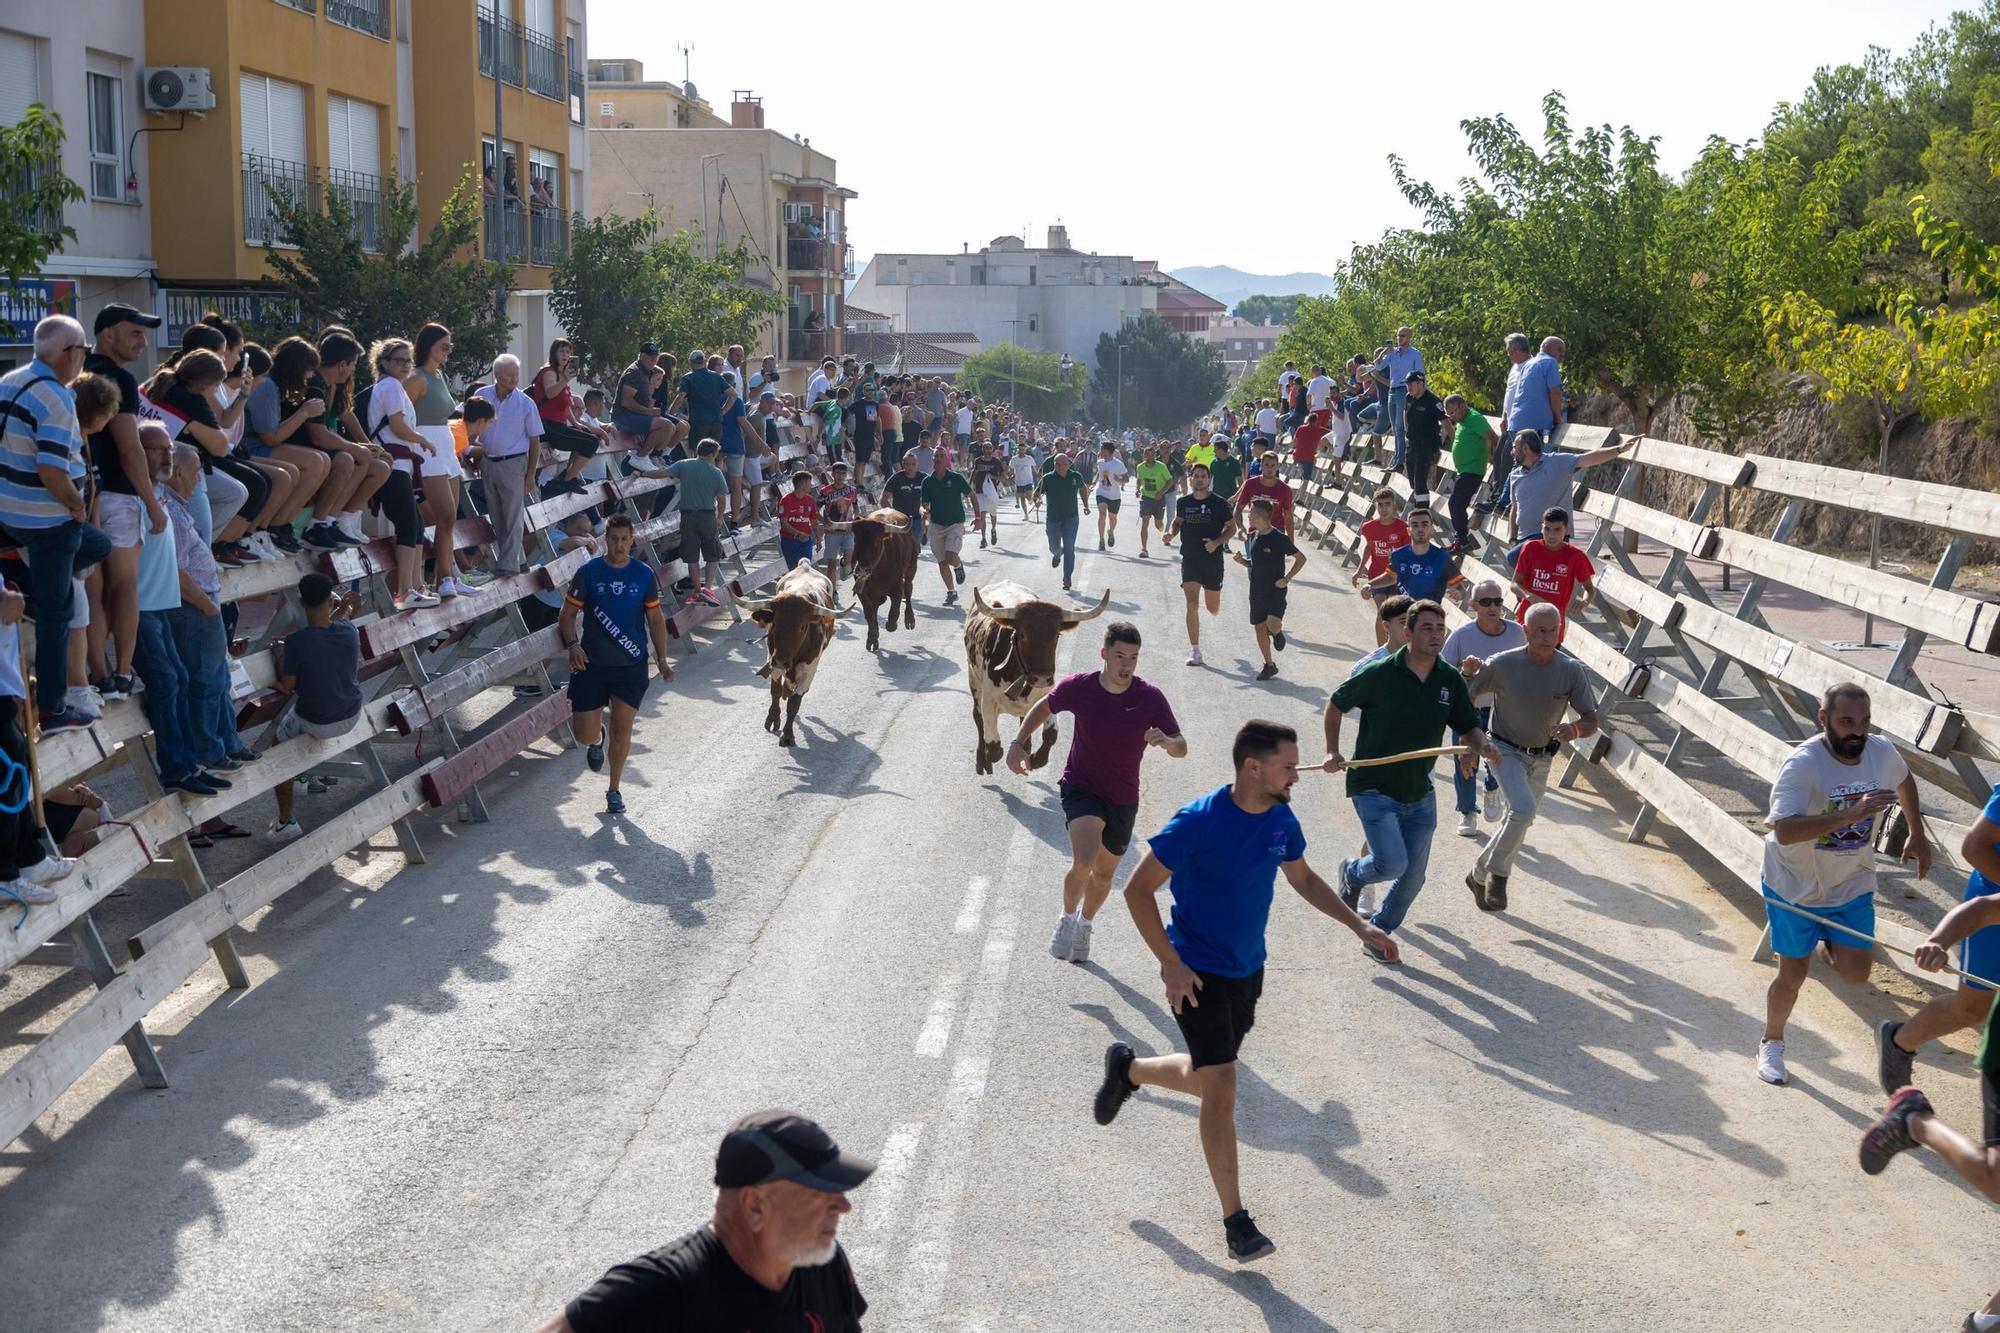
(1406, 700)
(1225, 474)
(1155, 480)
(945, 493)
(1062, 489)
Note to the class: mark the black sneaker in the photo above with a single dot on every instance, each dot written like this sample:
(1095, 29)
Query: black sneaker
(1117, 1085)
(614, 802)
(192, 784)
(594, 756)
(1349, 893)
(1893, 1064)
(1269, 670)
(1496, 894)
(1246, 1242)
(227, 764)
(244, 756)
(124, 686)
(1278, 641)
(215, 780)
(66, 720)
(1890, 1134)
(1054, 561)
(283, 539)
(1478, 887)
(323, 537)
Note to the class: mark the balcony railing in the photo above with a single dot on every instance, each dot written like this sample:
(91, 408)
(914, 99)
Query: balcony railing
(506, 231)
(370, 16)
(306, 6)
(548, 236)
(24, 179)
(267, 183)
(809, 254)
(507, 48)
(545, 66)
(808, 345)
(575, 97)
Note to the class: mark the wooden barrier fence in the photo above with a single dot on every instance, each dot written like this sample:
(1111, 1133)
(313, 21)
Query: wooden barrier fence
(1664, 646)
(418, 667)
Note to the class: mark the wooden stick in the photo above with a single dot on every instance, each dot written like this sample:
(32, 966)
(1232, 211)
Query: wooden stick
(30, 728)
(1432, 753)
(1883, 944)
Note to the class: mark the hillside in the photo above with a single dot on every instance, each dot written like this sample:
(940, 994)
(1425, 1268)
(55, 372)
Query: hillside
(1230, 285)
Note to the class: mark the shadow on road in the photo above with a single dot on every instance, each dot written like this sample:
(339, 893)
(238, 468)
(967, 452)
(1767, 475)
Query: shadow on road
(1280, 1311)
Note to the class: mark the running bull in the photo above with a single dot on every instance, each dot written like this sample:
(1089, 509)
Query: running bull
(1010, 656)
(798, 621)
(885, 568)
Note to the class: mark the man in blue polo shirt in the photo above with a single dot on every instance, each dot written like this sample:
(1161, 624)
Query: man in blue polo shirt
(1219, 856)
(1395, 365)
(1423, 570)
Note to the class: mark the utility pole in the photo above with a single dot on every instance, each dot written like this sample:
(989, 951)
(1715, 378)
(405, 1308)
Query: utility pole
(1118, 412)
(499, 217)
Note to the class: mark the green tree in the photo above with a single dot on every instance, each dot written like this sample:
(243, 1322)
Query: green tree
(607, 290)
(394, 292)
(1269, 309)
(1032, 381)
(1169, 379)
(704, 299)
(31, 204)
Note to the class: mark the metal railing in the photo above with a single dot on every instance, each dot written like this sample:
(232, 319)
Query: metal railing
(25, 179)
(545, 65)
(548, 236)
(506, 231)
(367, 196)
(808, 345)
(267, 183)
(507, 49)
(809, 254)
(304, 6)
(369, 16)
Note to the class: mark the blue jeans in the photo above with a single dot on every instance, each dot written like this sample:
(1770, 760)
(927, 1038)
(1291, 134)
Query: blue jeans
(1399, 849)
(1465, 788)
(158, 663)
(204, 654)
(55, 556)
(1062, 541)
(1397, 397)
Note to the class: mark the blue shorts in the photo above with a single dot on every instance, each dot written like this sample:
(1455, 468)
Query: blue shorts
(1795, 936)
(633, 423)
(794, 550)
(1979, 953)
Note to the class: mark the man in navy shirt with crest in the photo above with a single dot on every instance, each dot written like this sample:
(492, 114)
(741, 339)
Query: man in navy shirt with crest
(612, 607)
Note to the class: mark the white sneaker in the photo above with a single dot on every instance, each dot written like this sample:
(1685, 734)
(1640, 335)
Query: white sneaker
(48, 870)
(284, 830)
(35, 895)
(1194, 655)
(457, 587)
(1364, 904)
(86, 700)
(1468, 825)
(1490, 803)
(1771, 1062)
(349, 532)
(1065, 937)
(1079, 944)
(416, 598)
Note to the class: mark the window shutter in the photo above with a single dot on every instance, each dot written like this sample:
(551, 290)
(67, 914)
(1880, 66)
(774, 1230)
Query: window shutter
(288, 121)
(254, 91)
(364, 145)
(542, 17)
(337, 148)
(20, 76)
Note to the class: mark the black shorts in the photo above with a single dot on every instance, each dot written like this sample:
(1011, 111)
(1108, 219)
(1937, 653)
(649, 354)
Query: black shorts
(1118, 819)
(594, 686)
(1215, 1027)
(1266, 604)
(703, 430)
(1203, 567)
(1108, 506)
(1153, 508)
(60, 819)
(1989, 1105)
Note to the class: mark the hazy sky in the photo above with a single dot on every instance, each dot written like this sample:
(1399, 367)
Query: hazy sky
(1212, 134)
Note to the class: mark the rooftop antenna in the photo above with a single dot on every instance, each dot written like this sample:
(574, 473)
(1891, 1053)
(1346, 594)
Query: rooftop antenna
(687, 61)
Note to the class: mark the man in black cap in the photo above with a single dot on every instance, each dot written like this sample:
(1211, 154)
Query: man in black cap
(768, 1262)
(126, 507)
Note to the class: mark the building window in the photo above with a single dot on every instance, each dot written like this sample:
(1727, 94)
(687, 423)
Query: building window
(1032, 325)
(20, 76)
(107, 138)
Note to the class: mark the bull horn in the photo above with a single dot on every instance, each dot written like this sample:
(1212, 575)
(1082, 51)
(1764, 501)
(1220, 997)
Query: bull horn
(755, 603)
(1074, 618)
(900, 523)
(1002, 614)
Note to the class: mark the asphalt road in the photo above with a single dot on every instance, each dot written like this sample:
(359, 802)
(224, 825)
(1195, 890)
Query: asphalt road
(457, 1092)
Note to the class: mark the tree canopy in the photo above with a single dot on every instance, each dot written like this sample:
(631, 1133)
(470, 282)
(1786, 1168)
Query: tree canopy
(31, 205)
(1169, 379)
(1032, 381)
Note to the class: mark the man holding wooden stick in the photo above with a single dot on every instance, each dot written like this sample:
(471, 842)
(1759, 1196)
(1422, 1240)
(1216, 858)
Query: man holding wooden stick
(1406, 702)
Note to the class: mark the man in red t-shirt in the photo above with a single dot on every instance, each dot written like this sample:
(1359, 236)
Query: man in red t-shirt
(1266, 485)
(798, 521)
(1380, 535)
(1550, 570)
(1305, 442)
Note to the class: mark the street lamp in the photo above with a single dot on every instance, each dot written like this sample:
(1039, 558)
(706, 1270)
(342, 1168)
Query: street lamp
(1118, 412)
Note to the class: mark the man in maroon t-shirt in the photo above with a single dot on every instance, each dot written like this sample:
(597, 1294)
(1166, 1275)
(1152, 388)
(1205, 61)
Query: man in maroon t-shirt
(1117, 716)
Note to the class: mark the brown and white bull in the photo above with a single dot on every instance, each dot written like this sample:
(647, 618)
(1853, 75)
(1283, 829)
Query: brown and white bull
(798, 620)
(1010, 655)
(885, 568)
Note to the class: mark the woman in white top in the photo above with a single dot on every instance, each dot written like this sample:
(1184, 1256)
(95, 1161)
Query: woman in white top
(389, 424)
(442, 477)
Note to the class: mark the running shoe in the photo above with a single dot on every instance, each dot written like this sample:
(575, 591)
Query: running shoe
(1246, 1242)
(1475, 882)
(322, 537)
(192, 784)
(1079, 941)
(951, 597)
(1496, 893)
(1054, 560)
(283, 539)
(244, 755)
(1194, 655)
(706, 595)
(1893, 1065)
(1468, 825)
(593, 754)
(229, 555)
(48, 870)
(1065, 938)
(215, 780)
(614, 802)
(1349, 894)
(229, 763)
(67, 720)
(1278, 640)
(1113, 539)
(1489, 803)
(1117, 1085)
(84, 699)
(1890, 1134)
(416, 599)
(1771, 1062)
(1268, 670)
(34, 895)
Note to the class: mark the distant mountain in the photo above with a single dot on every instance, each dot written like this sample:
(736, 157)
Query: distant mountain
(1230, 285)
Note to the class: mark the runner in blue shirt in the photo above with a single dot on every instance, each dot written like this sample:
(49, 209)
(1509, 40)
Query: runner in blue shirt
(1220, 856)
(612, 607)
(1420, 571)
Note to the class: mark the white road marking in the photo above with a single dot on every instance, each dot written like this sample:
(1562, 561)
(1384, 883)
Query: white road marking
(936, 1031)
(975, 903)
(875, 1208)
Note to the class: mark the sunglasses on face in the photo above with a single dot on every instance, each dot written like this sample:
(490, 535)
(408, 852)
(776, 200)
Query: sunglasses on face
(1488, 601)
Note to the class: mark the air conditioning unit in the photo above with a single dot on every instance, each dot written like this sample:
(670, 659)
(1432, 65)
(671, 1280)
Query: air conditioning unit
(177, 88)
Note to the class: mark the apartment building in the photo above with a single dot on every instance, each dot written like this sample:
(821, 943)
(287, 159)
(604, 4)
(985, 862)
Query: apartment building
(81, 61)
(1243, 344)
(1053, 298)
(659, 144)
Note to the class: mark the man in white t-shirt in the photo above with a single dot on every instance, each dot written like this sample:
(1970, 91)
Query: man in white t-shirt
(963, 424)
(1267, 424)
(1819, 855)
(1319, 390)
(1286, 376)
(1110, 478)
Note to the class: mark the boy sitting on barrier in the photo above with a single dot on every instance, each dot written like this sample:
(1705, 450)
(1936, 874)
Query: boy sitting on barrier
(322, 673)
